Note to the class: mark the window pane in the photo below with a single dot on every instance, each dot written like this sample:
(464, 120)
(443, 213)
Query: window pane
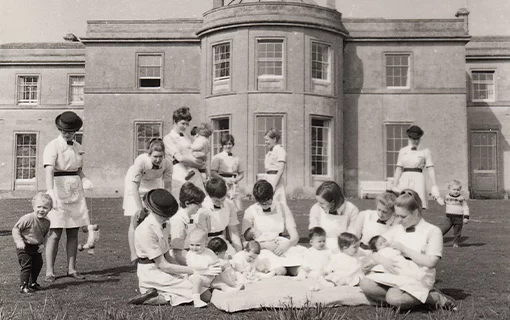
(144, 133)
(397, 68)
(149, 70)
(320, 61)
(221, 126)
(76, 89)
(270, 57)
(264, 123)
(26, 155)
(320, 142)
(28, 89)
(396, 139)
(483, 85)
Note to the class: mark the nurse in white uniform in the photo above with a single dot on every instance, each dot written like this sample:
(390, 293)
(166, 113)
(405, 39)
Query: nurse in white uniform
(149, 171)
(65, 182)
(411, 162)
(178, 149)
(274, 164)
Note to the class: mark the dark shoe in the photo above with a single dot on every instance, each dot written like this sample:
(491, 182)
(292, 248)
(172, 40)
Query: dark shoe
(76, 275)
(50, 278)
(189, 175)
(35, 286)
(142, 297)
(26, 289)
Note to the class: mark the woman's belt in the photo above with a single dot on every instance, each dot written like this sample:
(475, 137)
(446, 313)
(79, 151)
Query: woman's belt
(228, 175)
(272, 172)
(215, 234)
(65, 173)
(145, 261)
(202, 170)
(413, 170)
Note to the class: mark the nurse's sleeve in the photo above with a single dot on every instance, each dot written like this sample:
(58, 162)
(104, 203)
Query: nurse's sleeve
(315, 216)
(50, 154)
(248, 219)
(177, 235)
(428, 159)
(151, 245)
(170, 147)
(215, 163)
(282, 155)
(434, 243)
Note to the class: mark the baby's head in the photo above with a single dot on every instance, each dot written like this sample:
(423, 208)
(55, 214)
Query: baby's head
(219, 247)
(253, 250)
(454, 188)
(317, 237)
(263, 193)
(348, 243)
(42, 204)
(205, 129)
(377, 243)
(197, 239)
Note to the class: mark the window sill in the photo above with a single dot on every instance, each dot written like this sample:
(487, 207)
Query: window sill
(220, 94)
(270, 91)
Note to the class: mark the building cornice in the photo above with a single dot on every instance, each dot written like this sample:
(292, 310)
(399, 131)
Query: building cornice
(43, 63)
(139, 40)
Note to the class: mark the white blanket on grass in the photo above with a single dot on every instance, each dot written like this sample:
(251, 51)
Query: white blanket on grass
(279, 292)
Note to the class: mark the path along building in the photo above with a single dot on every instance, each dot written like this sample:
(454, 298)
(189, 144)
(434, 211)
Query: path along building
(342, 91)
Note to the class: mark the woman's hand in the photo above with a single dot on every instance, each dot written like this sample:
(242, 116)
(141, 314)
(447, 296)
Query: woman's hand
(213, 269)
(282, 247)
(400, 247)
(388, 264)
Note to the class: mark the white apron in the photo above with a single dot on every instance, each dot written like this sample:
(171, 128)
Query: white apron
(69, 207)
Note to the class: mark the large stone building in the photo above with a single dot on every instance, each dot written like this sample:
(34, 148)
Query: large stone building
(342, 91)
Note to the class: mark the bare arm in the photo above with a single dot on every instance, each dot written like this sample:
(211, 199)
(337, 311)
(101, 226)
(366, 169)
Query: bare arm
(281, 169)
(235, 238)
(179, 256)
(396, 176)
(419, 258)
(163, 264)
(50, 170)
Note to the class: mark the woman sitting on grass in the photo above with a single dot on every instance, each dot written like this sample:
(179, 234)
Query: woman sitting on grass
(160, 278)
(417, 240)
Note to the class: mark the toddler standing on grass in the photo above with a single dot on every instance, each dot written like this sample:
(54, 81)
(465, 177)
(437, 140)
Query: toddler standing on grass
(29, 234)
(457, 211)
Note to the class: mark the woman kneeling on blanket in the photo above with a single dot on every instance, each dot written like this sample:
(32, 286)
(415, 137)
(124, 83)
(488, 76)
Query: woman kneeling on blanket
(264, 222)
(160, 278)
(418, 241)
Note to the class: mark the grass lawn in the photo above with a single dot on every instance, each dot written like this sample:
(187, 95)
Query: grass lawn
(476, 274)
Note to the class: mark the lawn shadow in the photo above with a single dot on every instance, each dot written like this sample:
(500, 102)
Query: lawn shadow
(71, 283)
(462, 241)
(457, 294)
(4, 233)
(116, 271)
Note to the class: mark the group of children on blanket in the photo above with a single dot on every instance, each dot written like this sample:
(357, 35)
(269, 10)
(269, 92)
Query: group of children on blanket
(326, 268)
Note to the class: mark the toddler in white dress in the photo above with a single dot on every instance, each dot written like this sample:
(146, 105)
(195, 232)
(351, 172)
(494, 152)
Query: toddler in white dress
(315, 260)
(200, 258)
(344, 268)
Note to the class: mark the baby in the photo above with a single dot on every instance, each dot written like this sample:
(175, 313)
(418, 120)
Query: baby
(200, 148)
(344, 268)
(228, 274)
(406, 267)
(199, 258)
(315, 260)
(248, 264)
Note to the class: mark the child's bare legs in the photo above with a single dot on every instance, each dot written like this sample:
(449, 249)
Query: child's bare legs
(197, 284)
(225, 287)
(302, 274)
(280, 271)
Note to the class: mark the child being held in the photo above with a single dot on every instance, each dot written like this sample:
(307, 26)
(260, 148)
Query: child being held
(228, 274)
(199, 258)
(315, 260)
(344, 268)
(200, 148)
(457, 211)
(29, 234)
(248, 264)
(405, 267)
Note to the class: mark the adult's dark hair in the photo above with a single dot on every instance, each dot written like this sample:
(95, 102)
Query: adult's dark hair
(226, 138)
(217, 245)
(332, 193)
(316, 232)
(190, 194)
(182, 114)
(216, 187)
(372, 243)
(263, 191)
(156, 144)
(346, 239)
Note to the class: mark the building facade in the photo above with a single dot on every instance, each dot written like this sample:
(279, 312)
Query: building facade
(341, 91)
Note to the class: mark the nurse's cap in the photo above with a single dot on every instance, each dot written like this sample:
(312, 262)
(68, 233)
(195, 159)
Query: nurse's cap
(414, 132)
(161, 202)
